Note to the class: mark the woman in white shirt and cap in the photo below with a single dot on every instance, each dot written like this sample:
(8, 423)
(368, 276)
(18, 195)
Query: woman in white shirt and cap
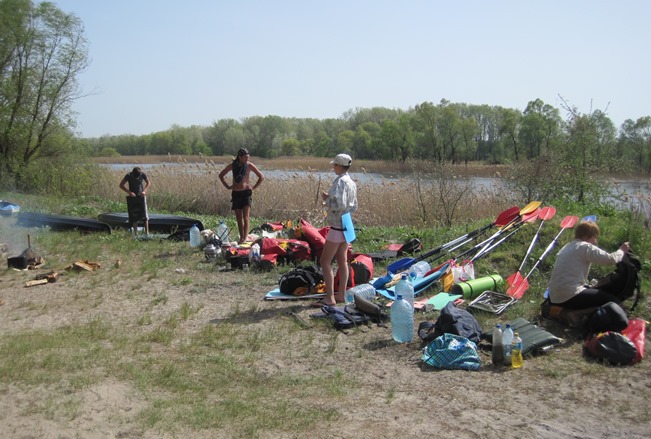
(340, 199)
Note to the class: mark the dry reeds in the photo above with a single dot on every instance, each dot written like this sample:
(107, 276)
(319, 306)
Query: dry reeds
(420, 199)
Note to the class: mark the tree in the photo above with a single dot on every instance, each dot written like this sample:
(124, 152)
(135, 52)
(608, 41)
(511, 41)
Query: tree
(449, 126)
(590, 136)
(509, 128)
(429, 141)
(540, 128)
(42, 50)
(634, 143)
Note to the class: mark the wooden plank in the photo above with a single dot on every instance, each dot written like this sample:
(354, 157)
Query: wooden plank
(32, 283)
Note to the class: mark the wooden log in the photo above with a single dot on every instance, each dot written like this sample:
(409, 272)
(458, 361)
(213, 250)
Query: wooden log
(32, 283)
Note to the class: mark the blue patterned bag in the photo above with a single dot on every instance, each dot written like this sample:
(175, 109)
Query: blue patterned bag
(450, 351)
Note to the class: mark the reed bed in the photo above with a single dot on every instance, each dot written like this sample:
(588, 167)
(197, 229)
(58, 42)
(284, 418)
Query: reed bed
(421, 198)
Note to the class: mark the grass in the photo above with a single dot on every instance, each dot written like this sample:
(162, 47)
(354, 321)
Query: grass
(214, 377)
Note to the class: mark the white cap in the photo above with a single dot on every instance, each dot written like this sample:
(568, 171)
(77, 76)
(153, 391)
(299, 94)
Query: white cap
(342, 160)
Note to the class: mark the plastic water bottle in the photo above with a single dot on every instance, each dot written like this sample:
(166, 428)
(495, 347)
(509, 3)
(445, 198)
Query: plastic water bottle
(222, 232)
(254, 253)
(516, 352)
(507, 339)
(418, 270)
(405, 289)
(497, 352)
(365, 291)
(195, 237)
(402, 320)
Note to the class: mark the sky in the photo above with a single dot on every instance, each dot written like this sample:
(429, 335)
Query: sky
(158, 63)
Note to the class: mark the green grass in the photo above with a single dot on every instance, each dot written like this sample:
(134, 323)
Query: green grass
(215, 377)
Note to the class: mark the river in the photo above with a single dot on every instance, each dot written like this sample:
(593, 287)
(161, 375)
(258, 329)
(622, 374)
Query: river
(628, 189)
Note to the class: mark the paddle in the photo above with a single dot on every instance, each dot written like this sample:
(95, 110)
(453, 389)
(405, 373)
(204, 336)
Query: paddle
(527, 218)
(517, 290)
(502, 219)
(545, 214)
(531, 207)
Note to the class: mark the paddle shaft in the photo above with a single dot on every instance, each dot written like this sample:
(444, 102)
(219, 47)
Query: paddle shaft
(454, 242)
(404, 264)
(492, 246)
(546, 252)
(483, 247)
(548, 215)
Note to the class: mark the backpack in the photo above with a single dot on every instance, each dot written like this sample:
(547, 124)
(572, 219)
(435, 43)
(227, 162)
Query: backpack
(362, 268)
(343, 317)
(625, 281)
(300, 281)
(608, 317)
(452, 320)
(611, 346)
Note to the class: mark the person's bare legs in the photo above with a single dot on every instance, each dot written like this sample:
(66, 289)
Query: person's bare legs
(244, 232)
(239, 216)
(330, 251)
(342, 270)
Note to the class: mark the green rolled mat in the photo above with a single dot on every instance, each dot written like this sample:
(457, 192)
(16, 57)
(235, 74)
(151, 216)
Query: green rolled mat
(473, 288)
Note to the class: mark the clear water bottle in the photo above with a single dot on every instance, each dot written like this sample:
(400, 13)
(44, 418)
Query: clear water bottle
(222, 232)
(497, 351)
(402, 320)
(365, 291)
(516, 351)
(418, 270)
(195, 236)
(405, 289)
(507, 339)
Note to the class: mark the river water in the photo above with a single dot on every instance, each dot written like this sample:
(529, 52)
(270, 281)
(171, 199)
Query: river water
(629, 190)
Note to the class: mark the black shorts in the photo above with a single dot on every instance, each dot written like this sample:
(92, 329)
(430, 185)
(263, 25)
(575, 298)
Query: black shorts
(241, 199)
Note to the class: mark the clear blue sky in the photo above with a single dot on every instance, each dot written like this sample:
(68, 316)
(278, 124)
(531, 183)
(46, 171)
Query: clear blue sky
(155, 63)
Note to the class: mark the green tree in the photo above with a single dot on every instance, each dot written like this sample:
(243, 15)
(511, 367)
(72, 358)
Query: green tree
(587, 137)
(634, 144)
(42, 51)
(290, 147)
(449, 128)
(509, 128)
(427, 125)
(540, 128)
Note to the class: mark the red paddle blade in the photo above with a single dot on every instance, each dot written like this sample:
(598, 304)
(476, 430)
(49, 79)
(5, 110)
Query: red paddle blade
(517, 291)
(529, 217)
(547, 213)
(507, 216)
(514, 280)
(569, 221)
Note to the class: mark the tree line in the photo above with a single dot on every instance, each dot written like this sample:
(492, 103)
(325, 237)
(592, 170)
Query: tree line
(444, 133)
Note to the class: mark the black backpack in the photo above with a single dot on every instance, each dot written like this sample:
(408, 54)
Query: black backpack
(608, 317)
(612, 347)
(300, 281)
(452, 320)
(625, 281)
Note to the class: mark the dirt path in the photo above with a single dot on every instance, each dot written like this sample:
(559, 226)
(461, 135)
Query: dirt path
(394, 395)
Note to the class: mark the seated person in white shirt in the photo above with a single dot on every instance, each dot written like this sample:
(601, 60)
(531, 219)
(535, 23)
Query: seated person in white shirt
(568, 286)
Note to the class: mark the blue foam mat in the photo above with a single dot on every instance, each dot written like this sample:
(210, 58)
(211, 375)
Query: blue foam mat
(277, 295)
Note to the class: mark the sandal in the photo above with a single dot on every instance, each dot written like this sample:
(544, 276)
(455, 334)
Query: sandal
(320, 303)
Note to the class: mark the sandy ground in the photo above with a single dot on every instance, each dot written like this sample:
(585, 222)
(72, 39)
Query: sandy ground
(398, 396)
